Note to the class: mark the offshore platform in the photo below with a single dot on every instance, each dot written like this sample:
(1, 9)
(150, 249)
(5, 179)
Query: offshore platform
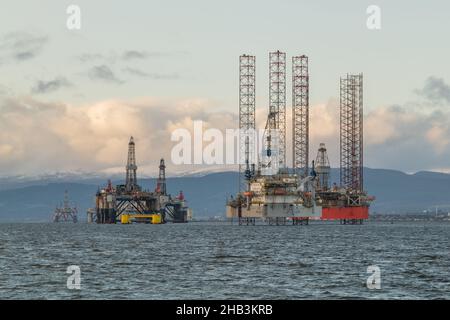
(276, 194)
(66, 212)
(130, 203)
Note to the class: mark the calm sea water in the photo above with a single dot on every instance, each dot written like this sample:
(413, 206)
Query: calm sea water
(223, 261)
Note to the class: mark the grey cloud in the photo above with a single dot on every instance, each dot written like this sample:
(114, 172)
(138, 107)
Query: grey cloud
(435, 90)
(104, 73)
(408, 140)
(88, 57)
(50, 86)
(21, 46)
(133, 54)
(128, 55)
(154, 76)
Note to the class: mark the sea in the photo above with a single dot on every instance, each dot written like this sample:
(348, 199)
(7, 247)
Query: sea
(199, 260)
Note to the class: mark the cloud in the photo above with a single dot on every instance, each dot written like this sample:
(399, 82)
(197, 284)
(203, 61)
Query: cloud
(140, 55)
(50, 86)
(89, 57)
(127, 55)
(104, 73)
(39, 137)
(154, 76)
(133, 54)
(102, 69)
(435, 90)
(21, 46)
(413, 136)
(399, 138)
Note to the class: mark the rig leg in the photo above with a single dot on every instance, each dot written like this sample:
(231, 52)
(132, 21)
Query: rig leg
(300, 221)
(249, 221)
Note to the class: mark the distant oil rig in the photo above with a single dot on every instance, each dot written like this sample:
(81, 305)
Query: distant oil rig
(271, 192)
(129, 203)
(65, 212)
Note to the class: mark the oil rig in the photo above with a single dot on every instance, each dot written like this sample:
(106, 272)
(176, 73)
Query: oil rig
(268, 189)
(130, 203)
(65, 212)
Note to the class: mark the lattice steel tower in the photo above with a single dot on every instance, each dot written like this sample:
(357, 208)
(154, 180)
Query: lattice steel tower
(161, 183)
(300, 115)
(322, 168)
(247, 120)
(277, 101)
(131, 181)
(351, 132)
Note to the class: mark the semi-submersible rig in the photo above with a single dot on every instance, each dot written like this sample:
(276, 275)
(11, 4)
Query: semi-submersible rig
(268, 189)
(130, 203)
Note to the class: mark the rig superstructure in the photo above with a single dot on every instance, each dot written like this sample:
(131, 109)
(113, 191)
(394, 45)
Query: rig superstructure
(129, 202)
(271, 191)
(66, 212)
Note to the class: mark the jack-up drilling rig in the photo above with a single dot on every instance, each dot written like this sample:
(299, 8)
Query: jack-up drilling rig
(274, 193)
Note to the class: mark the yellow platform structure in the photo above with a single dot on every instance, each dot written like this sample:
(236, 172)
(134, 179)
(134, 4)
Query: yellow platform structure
(153, 218)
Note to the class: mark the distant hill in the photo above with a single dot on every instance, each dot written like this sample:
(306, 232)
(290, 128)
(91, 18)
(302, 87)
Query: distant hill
(395, 192)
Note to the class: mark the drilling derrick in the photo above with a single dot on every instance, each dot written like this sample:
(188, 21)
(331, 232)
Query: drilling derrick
(247, 121)
(131, 181)
(277, 102)
(322, 169)
(300, 115)
(161, 184)
(351, 133)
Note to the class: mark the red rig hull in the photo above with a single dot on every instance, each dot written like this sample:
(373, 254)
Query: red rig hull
(345, 213)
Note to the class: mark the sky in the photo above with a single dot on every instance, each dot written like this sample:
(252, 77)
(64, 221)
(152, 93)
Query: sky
(70, 99)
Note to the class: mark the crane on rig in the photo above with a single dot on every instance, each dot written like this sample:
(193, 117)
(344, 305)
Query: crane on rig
(268, 134)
